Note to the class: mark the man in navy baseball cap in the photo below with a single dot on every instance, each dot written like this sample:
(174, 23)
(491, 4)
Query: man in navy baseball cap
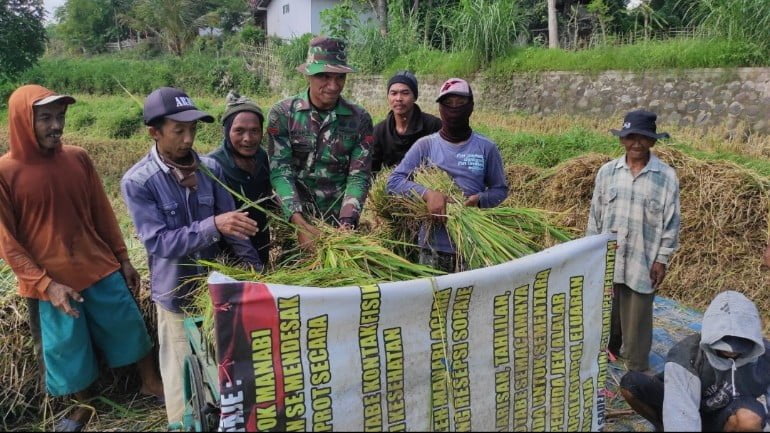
(182, 215)
(174, 104)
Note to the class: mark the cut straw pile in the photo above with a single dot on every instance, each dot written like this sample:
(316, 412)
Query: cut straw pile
(724, 221)
(20, 384)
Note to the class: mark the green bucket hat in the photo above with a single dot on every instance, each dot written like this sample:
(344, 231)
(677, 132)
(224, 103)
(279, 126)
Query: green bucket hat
(325, 54)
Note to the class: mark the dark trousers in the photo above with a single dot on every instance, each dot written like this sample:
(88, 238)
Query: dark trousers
(631, 326)
(442, 261)
(650, 391)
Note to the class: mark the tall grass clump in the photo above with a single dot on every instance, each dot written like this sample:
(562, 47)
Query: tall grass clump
(741, 20)
(488, 28)
(294, 53)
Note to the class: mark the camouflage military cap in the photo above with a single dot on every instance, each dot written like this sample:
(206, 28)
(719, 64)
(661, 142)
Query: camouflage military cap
(325, 54)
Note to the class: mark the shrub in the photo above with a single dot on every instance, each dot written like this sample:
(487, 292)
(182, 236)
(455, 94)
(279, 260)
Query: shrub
(738, 20)
(294, 53)
(252, 35)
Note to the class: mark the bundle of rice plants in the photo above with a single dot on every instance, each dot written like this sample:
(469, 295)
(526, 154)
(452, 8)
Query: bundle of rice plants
(483, 236)
(388, 217)
(343, 249)
(340, 258)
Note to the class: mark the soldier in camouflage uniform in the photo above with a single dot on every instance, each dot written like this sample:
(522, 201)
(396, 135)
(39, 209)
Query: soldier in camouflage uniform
(320, 146)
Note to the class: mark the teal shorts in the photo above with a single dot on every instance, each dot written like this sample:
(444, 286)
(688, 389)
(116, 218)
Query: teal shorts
(109, 321)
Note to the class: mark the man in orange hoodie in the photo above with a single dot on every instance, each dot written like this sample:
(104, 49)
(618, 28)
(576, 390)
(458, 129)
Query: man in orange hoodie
(60, 237)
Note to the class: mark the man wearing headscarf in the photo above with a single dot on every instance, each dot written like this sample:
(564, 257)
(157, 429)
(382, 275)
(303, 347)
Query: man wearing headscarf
(244, 164)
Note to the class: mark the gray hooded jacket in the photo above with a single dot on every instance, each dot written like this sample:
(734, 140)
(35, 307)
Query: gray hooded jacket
(698, 380)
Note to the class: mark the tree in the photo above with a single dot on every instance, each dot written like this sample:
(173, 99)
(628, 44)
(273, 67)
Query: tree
(602, 12)
(338, 21)
(650, 17)
(22, 35)
(89, 24)
(553, 31)
(173, 21)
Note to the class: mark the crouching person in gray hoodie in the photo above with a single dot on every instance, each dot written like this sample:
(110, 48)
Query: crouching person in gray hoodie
(712, 380)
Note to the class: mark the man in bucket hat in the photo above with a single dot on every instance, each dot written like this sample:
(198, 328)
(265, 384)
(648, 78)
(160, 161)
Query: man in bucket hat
(320, 146)
(712, 380)
(637, 197)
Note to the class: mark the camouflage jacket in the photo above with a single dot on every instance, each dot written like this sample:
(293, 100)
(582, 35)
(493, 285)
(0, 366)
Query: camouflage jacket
(320, 167)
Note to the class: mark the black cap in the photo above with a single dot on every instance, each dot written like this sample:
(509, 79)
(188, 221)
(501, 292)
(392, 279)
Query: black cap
(640, 122)
(405, 77)
(173, 104)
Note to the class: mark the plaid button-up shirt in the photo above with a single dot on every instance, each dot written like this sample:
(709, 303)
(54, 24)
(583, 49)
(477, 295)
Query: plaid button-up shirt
(643, 211)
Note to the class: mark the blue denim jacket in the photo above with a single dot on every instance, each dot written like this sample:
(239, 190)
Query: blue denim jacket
(176, 226)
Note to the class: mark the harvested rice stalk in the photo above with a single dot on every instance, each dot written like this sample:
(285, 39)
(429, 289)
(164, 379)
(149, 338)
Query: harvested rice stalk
(21, 389)
(384, 215)
(346, 250)
(340, 259)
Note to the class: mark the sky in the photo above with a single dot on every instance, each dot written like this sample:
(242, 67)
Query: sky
(50, 6)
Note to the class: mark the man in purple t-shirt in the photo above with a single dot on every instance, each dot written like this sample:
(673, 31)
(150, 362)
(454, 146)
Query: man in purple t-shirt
(471, 159)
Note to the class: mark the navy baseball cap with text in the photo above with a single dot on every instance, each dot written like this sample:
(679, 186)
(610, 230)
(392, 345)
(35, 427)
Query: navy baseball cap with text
(173, 104)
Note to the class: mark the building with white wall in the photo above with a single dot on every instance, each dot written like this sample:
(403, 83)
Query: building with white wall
(288, 19)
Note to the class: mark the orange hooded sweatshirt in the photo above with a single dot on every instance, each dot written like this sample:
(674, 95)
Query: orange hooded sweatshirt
(56, 222)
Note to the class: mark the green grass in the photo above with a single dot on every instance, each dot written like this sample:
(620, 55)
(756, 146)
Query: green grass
(197, 73)
(435, 62)
(670, 54)
(548, 150)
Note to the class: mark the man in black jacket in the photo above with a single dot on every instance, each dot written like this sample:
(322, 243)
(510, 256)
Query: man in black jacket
(405, 123)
